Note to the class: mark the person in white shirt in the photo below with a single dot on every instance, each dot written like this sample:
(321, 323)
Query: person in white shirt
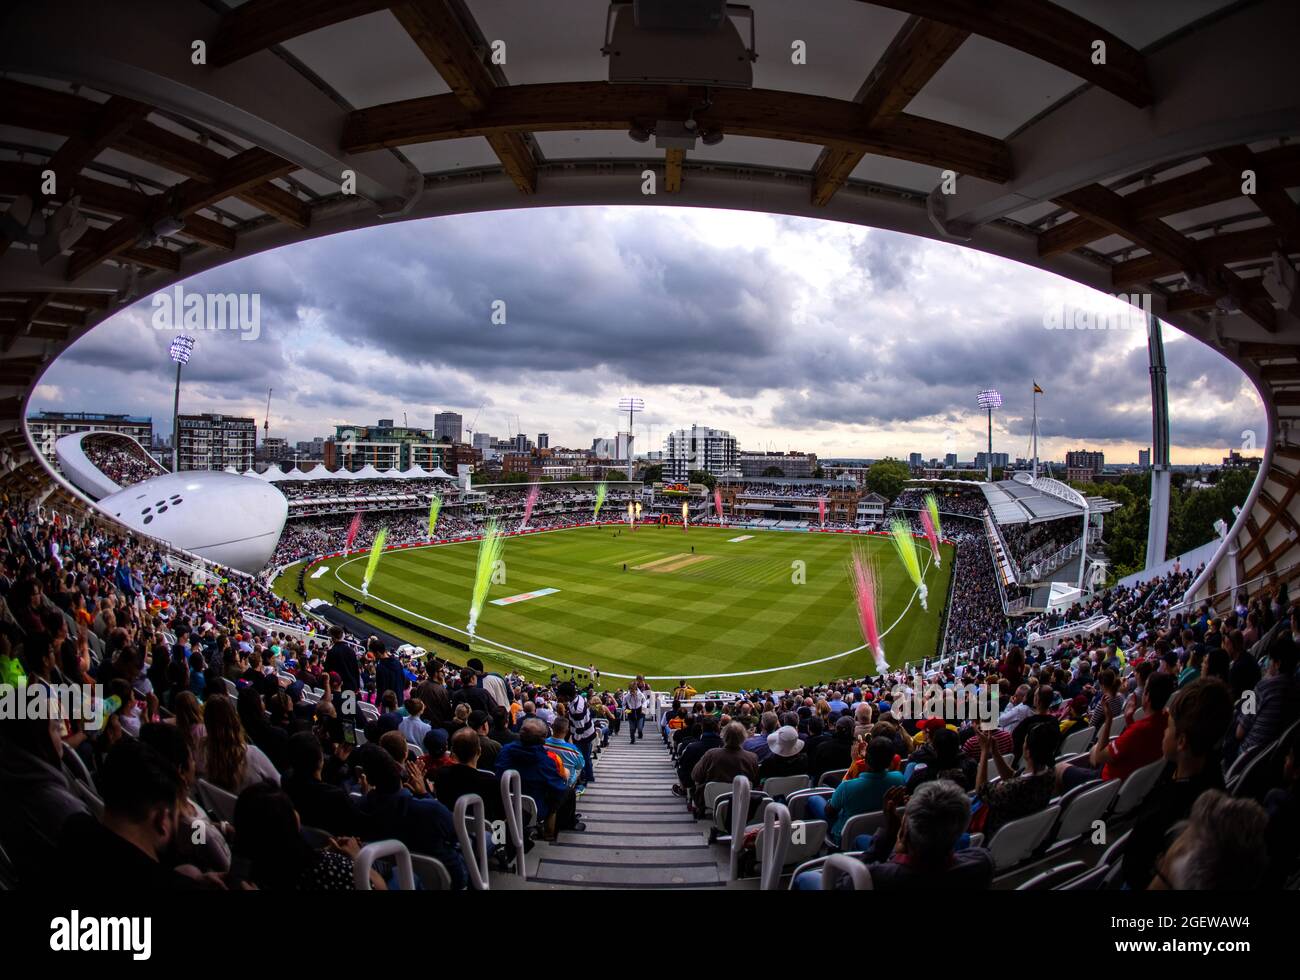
(1017, 711)
(635, 702)
(413, 727)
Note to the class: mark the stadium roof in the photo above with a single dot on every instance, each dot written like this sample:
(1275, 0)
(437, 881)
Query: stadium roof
(1122, 172)
(1045, 499)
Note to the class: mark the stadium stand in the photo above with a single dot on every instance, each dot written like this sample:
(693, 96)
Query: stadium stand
(247, 724)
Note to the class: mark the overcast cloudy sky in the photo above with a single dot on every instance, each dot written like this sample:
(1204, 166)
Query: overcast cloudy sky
(791, 333)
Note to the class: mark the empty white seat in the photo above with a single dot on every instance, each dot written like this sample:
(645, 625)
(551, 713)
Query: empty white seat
(1137, 786)
(832, 778)
(217, 800)
(1016, 841)
(1083, 806)
(1077, 741)
(784, 785)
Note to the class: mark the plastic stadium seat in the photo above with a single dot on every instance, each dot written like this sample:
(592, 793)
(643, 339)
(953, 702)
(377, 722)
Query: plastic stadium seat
(780, 786)
(1117, 726)
(415, 750)
(1077, 741)
(1084, 805)
(838, 865)
(433, 874)
(992, 764)
(1053, 877)
(832, 778)
(231, 689)
(1089, 881)
(813, 837)
(1016, 841)
(383, 850)
(1136, 787)
(798, 800)
(862, 823)
(712, 791)
(217, 801)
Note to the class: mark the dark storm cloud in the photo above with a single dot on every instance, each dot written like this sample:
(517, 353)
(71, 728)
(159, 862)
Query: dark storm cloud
(596, 301)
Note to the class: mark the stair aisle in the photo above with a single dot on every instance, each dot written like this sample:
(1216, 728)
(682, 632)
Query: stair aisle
(639, 835)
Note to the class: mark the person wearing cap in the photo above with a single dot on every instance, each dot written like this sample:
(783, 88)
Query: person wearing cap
(786, 755)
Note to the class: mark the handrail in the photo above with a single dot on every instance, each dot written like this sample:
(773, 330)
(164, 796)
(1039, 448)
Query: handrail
(775, 840)
(470, 807)
(740, 795)
(512, 798)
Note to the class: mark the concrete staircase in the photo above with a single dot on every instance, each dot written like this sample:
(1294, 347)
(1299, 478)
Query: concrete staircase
(639, 835)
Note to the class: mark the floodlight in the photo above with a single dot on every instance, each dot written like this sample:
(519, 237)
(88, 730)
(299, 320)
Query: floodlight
(989, 399)
(181, 348)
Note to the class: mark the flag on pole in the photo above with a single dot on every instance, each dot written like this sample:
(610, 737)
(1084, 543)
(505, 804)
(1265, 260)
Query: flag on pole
(1037, 390)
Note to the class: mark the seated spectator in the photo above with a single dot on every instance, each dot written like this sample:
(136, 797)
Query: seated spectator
(228, 760)
(786, 755)
(1283, 806)
(915, 852)
(834, 753)
(1198, 715)
(464, 776)
(1276, 702)
(201, 842)
(128, 844)
(271, 851)
(723, 763)
(864, 794)
(1139, 745)
(489, 748)
(556, 800)
(568, 757)
(1042, 717)
(1016, 795)
(319, 804)
(392, 810)
(1223, 847)
(37, 795)
(710, 738)
(272, 740)
(768, 722)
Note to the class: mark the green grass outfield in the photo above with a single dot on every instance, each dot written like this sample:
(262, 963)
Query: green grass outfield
(726, 615)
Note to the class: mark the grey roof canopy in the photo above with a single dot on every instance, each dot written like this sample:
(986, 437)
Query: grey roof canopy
(1137, 147)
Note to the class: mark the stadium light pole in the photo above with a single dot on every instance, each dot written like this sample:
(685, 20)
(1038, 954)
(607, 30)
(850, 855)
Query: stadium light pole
(181, 349)
(631, 406)
(989, 399)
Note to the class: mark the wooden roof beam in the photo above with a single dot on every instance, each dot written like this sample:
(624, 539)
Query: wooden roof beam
(917, 52)
(763, 113)
(1046, 31)
(435, 29)
(1109, 210)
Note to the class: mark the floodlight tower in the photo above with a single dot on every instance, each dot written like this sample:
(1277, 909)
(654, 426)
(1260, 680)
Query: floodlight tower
(631, 406)
(989, 399)
(181, 348)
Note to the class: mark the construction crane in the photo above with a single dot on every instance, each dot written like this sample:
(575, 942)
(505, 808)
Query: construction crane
(266, 423)
(470, 428)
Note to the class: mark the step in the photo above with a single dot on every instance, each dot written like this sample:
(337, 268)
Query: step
(603, 837)
(594, 815)
(638, 876)
(657, 828)
(629, 855)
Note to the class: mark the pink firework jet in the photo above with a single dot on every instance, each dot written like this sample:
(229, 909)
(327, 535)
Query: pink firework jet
(864, 590)
(717, 503)
(353, 530)
(533, 491)
(821, 510)
(928, 524)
